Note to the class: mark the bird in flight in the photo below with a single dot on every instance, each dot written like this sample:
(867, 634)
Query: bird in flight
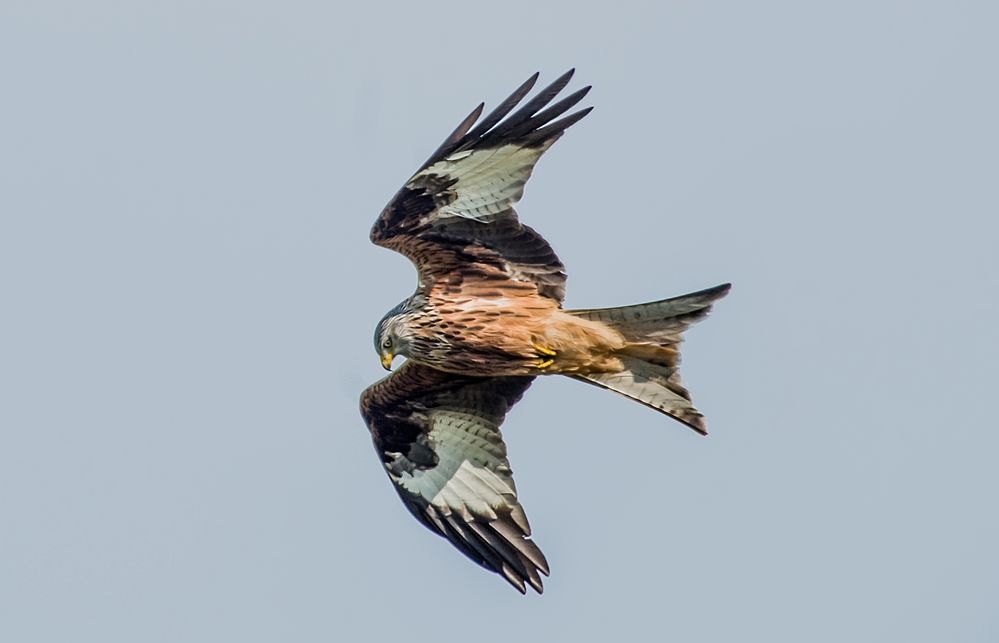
(485, 320)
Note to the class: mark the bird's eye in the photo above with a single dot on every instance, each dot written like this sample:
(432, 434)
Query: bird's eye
(387, 343)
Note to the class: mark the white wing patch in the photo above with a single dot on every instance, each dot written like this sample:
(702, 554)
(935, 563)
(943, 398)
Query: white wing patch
(472, 476)
(490, 181)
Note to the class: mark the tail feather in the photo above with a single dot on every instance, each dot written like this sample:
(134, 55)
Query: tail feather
(651, 357)
(666, 317)
(650, 385)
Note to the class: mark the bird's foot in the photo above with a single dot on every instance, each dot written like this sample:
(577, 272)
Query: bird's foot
(545, 356)
(544, 350)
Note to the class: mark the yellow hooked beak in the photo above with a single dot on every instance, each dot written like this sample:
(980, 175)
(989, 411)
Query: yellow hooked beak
(387, 361)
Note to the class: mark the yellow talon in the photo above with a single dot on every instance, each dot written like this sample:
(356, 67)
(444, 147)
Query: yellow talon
(544, 350)
(545, 355)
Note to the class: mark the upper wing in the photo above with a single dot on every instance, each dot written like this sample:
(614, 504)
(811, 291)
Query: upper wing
(439, 439)
(458, 208)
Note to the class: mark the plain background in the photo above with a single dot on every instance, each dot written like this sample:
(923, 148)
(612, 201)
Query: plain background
(188, 295)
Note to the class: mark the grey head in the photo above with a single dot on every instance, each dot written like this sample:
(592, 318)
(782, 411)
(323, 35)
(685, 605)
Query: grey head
(393, 333)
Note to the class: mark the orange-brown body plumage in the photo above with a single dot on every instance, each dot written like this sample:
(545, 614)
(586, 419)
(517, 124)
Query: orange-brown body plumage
(486, 318)
(516, 327)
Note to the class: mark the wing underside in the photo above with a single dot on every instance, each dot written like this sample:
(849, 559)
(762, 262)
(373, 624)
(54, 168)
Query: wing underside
(439, 439)
(460, 204)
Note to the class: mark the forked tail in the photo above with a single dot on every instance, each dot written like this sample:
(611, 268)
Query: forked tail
(651, 357)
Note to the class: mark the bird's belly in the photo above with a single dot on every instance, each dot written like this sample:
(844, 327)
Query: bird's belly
(493, 340)
(490, 348)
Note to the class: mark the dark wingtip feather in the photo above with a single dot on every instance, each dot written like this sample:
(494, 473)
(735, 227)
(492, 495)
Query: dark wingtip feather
(502, 133)
(502, 109)
(513, 578)
(555, 129)
(698, 424)
(549, 113)
(530, 125)
(454, 138)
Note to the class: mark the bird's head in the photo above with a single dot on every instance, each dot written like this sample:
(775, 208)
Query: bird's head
(392, 335)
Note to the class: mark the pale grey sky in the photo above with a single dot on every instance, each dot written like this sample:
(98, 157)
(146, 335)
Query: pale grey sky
(188, 296)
